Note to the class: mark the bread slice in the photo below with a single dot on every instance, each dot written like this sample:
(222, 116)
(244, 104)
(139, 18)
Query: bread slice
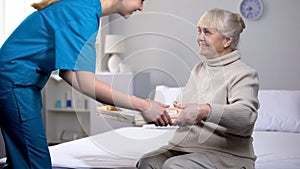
(108, 108)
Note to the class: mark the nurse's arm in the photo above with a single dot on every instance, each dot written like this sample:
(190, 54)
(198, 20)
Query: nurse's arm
(86, 83)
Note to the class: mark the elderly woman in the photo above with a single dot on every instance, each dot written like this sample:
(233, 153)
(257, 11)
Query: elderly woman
(218, 104)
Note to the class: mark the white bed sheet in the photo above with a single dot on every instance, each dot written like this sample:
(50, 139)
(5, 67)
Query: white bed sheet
(122, 148)
(277, 150)
(114, 149)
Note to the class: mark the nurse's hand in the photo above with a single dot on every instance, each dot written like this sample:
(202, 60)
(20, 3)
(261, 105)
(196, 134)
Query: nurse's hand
(156, 113)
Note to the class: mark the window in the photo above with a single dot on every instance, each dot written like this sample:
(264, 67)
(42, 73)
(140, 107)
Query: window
(12, 12)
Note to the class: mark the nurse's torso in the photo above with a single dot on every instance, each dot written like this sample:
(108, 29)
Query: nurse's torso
(30, 54)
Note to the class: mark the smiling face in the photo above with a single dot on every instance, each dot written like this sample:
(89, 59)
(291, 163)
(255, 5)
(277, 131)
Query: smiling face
(214, 35)
(130, 6)
(210, 42)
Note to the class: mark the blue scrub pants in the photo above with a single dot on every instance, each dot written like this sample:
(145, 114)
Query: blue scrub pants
(23, 130)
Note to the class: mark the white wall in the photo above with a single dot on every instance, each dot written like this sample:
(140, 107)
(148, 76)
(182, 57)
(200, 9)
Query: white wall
(12, 12)
(161, 40)
(1, 22)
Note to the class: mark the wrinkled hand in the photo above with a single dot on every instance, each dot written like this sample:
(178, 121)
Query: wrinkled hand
(157, 114)
(191, 113)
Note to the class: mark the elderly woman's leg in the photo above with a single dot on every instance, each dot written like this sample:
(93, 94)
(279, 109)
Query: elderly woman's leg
(189, 161)
(156, 159)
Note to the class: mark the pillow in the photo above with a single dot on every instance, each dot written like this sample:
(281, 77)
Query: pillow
(166, 95)
(279, 111)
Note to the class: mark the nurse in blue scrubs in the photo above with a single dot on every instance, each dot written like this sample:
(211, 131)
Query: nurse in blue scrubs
(60, 35)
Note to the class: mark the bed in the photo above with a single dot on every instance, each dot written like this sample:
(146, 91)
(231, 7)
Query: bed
(276, 137)
(121, 148)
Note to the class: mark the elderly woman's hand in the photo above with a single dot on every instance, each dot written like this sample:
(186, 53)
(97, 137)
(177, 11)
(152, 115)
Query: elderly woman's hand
(191, 113)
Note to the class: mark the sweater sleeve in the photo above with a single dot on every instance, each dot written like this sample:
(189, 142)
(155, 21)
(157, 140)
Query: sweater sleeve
(239, 114)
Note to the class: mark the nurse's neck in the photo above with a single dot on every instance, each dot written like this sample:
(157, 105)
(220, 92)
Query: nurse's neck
(110, 6)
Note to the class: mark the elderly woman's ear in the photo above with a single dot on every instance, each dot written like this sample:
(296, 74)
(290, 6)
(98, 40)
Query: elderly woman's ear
(228, 41)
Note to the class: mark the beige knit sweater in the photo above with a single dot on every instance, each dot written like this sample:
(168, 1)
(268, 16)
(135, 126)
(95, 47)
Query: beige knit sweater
(231, 88)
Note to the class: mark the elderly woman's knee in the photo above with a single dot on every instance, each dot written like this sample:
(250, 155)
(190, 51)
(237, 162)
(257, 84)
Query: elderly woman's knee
(172, 164)
(146, 163)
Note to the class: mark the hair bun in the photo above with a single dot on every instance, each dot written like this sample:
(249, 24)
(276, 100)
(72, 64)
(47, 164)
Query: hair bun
(240, 21)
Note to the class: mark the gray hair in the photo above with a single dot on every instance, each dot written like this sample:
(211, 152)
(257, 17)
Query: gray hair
(227, 23)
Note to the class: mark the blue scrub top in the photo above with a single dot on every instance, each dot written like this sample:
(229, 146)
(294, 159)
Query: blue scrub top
(61, 36)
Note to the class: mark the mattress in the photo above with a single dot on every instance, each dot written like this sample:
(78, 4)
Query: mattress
(277, 150)
(122, 148)
(114, 149)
